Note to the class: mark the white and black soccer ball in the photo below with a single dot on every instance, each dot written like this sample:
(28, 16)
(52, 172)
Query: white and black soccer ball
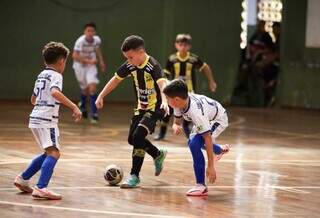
(113, 174)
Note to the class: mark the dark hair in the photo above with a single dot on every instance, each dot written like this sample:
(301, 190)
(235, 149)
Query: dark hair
(176, 88)
(276, 24)
(91, 24)
(131, 43)
(185, 38)
(52, 51)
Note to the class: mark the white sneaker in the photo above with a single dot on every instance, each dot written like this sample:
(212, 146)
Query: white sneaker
(22, 185)
(44, 193)
(198, 190)
(225, 149)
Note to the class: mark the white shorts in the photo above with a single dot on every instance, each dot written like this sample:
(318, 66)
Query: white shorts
(47, 137)
(86, 75)
(218, 126)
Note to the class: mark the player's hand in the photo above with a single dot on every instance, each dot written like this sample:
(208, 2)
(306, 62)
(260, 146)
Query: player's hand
(165, 107)
(177, 129)
(103, 67)
(211, 174)
(76, 114)
(213, 86)
(99, 102)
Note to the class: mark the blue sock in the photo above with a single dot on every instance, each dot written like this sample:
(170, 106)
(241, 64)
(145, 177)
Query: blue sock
(46, 171)
(93, 107)
(195, 145)
(83, 102)
(34, 167)
(217, 149)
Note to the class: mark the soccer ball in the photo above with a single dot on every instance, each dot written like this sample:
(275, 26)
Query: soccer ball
(113, 174)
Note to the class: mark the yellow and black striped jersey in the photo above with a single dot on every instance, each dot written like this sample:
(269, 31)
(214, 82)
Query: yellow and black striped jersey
(184, 68)
(145, 78)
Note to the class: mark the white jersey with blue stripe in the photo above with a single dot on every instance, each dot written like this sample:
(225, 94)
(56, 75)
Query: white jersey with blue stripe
(86, 49)
(45, 113)
(202, 111)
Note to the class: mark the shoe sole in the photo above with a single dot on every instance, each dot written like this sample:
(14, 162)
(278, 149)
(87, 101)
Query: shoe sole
(128, 186)
(38, 197)
(23, 188)
(165, 155)
(198, 195)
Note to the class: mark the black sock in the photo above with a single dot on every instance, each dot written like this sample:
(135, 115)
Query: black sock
(137, 161)
(152, 150)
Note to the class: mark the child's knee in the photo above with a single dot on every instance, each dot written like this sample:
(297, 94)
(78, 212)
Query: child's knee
(138, 138)
(53, 151)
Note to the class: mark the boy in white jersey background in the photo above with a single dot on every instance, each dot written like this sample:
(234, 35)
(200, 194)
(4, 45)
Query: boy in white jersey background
(210, 120)
(86, 55)
(46, 98)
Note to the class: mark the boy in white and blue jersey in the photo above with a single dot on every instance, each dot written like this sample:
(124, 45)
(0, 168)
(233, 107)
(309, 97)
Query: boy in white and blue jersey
(210, 120)
(46, 98)
(86, 55)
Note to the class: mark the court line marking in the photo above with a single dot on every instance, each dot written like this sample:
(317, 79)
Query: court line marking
(295, 189)
(289, 162)
(87, 210)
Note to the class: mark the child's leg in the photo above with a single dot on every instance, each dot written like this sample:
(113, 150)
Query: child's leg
(34, 167)
(195, 145)
(93, 97)
(47, 167)
(83, 101)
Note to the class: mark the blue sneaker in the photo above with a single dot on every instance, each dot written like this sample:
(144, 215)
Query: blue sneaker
(158, 162)
(131, 182)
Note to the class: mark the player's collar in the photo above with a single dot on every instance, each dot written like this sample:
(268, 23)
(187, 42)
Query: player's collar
(145, 62)
(183, 59)
(187, 108)
(50, 68)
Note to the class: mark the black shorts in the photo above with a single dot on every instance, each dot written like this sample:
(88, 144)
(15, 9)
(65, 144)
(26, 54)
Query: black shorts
(146, 119)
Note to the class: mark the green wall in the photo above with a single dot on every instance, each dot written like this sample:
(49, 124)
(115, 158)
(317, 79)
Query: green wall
(300, 77)
(28, 25)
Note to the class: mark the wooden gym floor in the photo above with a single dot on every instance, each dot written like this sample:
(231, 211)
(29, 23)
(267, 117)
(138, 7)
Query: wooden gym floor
(273, 169)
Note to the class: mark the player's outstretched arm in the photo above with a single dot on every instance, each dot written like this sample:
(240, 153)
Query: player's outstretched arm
(177, 126)
(59, 96)
(208, 72)
(164, 105)
(111, 85)
(101, 60)
(211, 172)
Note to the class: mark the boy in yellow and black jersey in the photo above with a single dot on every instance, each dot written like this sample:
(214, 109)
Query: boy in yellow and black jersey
(183, 65)
(151, 106)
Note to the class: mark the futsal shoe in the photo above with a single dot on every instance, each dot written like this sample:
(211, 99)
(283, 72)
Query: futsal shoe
(158, 162)
(44, 193)
(22, 184)
(131, 182)
(225, 149)
(198, 190)
(95, 119)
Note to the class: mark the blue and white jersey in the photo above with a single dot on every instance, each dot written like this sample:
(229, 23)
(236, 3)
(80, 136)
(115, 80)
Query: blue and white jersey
(86, 49)
(45, 113)
(202, 111)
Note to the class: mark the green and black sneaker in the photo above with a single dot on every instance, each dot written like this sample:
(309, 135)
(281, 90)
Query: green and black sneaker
(158, 162)
(131, 182)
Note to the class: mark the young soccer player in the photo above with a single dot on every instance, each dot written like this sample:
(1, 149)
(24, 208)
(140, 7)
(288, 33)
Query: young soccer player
(86, 55)
(151, 104)
(210, 120)
(46, 98)
(183, 65)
